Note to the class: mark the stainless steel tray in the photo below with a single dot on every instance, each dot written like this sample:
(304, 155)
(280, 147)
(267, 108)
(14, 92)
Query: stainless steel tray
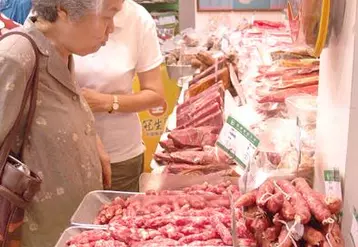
(177, 71)
(91, 204)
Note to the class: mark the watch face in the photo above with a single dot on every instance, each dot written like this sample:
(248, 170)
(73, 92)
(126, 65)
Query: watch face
(115, 106)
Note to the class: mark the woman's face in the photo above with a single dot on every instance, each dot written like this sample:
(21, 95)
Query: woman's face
(88, 34)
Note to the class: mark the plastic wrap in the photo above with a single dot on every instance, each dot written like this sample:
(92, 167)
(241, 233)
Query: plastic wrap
(282, 150)
(309, 23)
(304, 107)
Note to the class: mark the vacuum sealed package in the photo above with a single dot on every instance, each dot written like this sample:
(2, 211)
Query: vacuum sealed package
(309, 23)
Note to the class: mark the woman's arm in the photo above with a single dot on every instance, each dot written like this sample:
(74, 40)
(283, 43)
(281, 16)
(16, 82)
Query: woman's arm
(14, 75)
(151, 95)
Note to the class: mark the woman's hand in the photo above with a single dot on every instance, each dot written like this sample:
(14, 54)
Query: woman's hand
(106, 165)
(98, 102)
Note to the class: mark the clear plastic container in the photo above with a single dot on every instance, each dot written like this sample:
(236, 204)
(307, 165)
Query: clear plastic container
(304, 107)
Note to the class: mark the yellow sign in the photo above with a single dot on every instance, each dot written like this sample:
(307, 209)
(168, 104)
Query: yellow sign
(153, 121)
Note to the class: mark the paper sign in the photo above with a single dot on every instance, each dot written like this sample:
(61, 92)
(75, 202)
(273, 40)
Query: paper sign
(332, 182)
(354, 227)
(238, 142)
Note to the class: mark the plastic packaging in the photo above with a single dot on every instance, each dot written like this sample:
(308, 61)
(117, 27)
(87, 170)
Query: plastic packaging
(275, 137)
(309, 23)
(304, 107)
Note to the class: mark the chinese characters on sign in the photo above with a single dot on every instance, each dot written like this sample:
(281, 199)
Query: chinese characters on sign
(153, 126)
(238, 142)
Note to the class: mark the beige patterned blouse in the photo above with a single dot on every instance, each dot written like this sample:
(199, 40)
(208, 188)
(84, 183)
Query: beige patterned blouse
(61, 147)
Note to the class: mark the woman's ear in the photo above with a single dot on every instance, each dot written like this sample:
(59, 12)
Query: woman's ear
(62, 14)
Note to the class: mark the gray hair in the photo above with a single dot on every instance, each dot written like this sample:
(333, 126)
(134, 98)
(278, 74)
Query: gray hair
(47, 9)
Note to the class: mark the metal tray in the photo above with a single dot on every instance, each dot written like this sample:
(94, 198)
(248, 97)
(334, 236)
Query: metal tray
(91, 204)
(177, 71)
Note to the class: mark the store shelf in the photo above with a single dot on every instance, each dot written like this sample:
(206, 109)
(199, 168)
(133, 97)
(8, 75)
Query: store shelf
(160, 5)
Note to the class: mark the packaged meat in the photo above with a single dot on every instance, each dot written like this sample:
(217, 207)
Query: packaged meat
(168, 145)
(201, 105)
(206, 58)
(184, 169)
(208, 71)
(193, 157)
(191, 120)
(206, 82)
(193, 137)
(216, 119)
(217, 87)
(268, 24)
(200, 110)
(280, 96)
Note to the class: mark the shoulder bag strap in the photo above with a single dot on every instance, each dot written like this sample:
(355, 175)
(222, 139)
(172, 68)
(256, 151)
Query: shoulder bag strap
(30, 91)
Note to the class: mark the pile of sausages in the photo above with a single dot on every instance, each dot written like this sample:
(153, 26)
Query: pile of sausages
(289, 214)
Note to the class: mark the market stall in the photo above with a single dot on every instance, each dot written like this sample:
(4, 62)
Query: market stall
(236, 163)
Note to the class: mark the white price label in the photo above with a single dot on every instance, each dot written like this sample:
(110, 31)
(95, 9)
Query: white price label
(238, 142)
(354, 227)
(332, 182)
(166, 20)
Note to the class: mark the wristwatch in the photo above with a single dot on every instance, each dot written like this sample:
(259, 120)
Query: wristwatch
(115, 104)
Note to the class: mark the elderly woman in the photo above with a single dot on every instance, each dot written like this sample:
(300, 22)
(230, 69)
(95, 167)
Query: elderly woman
(62, 147)
(107, 81)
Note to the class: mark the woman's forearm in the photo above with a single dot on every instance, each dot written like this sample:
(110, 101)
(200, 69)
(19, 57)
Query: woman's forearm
(137, 102)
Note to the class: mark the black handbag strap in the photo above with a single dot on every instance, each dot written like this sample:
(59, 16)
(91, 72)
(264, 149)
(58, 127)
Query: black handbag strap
(30, 91)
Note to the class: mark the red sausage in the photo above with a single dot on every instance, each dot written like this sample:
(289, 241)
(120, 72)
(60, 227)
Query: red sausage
(302, 210)
(266, 190)
(282, 240)
(318, 209)
(246, 200)
(312, 236)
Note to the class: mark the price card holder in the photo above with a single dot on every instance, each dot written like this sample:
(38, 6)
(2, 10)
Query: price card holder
(236, 84)
(298, 143)
(354, 228)
(332, 182)
(238, 143)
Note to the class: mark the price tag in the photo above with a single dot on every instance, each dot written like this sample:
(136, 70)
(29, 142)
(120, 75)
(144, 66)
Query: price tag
(354, 227)
(238, 142)
(332, 182)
